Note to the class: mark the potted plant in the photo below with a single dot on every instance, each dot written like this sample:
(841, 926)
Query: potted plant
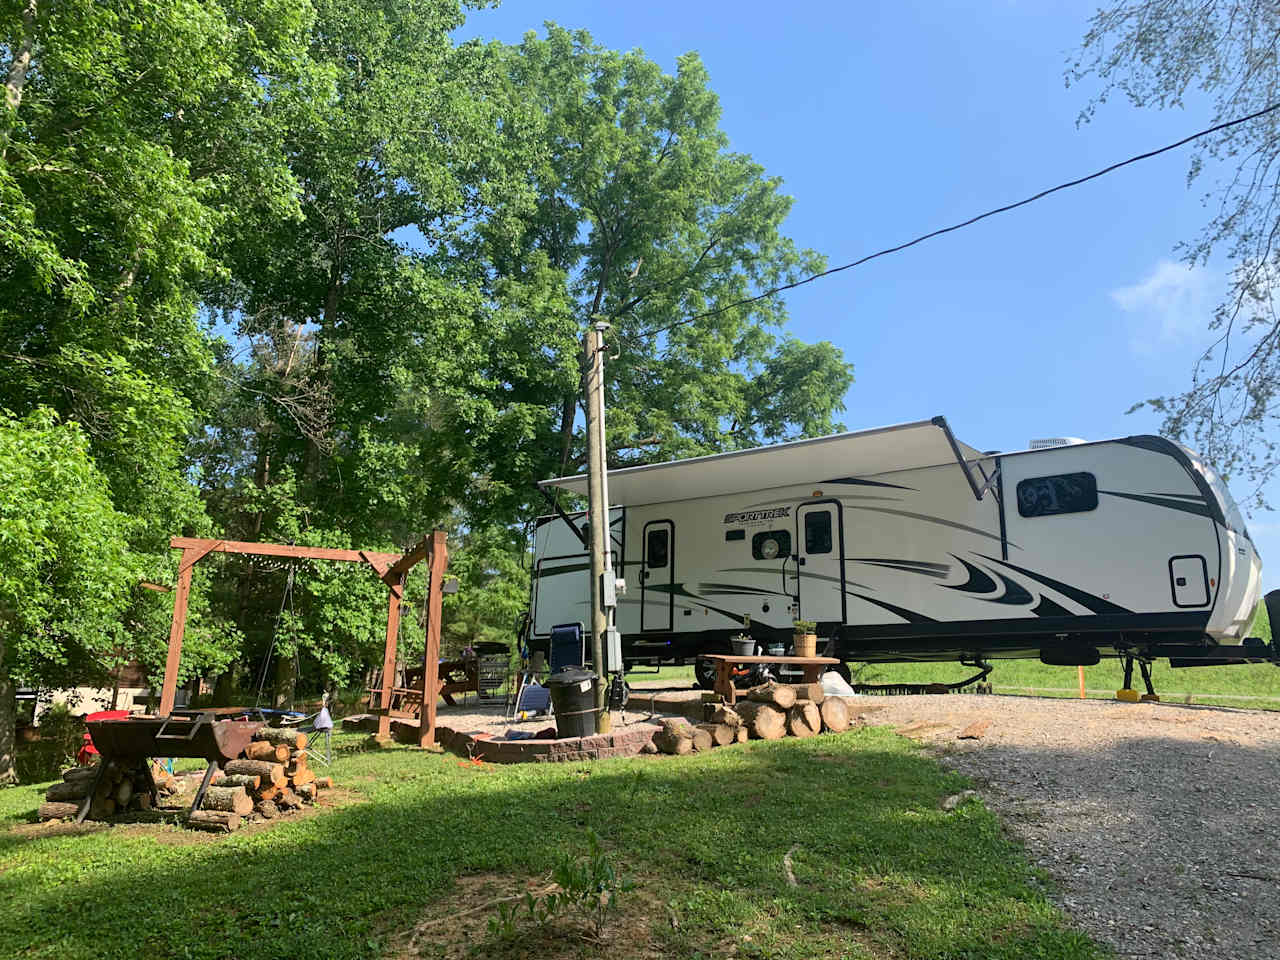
(742, 645)
(805, 639)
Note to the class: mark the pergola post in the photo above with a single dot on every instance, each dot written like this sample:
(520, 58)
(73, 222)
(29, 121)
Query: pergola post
(389, 655)
(177, 630)
(431, 649)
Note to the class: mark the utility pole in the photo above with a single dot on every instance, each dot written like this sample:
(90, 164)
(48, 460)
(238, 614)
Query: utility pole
(598, 510)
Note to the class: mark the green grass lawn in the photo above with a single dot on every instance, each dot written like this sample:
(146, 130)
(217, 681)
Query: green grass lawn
(881, 870)
(1256, 686)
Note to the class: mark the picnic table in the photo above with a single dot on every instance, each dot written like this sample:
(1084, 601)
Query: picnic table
(811, 667)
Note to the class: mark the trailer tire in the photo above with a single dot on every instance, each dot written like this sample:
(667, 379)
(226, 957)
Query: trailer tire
(704, 672)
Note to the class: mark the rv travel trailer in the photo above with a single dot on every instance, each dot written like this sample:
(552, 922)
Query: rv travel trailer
(904, 544)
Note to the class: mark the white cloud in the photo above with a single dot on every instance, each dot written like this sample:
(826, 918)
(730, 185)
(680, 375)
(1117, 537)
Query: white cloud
(1170, 307)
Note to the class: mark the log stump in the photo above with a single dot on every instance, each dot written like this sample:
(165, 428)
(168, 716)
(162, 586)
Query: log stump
(780, 695)
(721, 733)
(227, 800)
(293, 739)
(804, 720)
(57, 811)
(835, 715)
(764, 721)
(272, 773)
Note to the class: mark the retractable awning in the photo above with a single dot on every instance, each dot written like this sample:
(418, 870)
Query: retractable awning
(861, 454)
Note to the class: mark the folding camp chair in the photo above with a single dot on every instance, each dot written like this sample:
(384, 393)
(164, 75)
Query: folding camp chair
(568, 646)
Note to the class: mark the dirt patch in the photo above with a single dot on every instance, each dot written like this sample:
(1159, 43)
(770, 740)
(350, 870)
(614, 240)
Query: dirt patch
(457, 926)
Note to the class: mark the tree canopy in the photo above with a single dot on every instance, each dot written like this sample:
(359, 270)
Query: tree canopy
(316, 272)
(1160, 54)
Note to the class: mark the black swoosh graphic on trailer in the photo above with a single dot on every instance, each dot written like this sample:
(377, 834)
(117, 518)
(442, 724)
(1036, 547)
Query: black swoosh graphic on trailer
(938, 520)
(1085, 599)
(859, 482)
(713, 588)
(678, 589)
(908, 615)
(1047, 608)
(1197, 506)
(567, 568)
(910, 566)
(978, 581)
(1015, 594)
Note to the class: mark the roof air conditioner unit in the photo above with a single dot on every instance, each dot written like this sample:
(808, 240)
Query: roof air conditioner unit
(1048, 442)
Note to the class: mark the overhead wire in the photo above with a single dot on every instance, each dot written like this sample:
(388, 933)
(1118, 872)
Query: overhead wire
(1216, 128)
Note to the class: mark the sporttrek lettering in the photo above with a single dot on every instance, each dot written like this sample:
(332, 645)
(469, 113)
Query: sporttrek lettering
(755, 516)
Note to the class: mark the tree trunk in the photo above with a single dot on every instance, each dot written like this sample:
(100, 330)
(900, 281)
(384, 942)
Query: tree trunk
(567, 410)
(8, 720)
(763, 720)
(835, 715)
(804, 720)
(18, 69)
(780, 695)
(286, 681)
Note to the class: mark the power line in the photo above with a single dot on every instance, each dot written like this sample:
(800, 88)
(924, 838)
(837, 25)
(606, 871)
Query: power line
(972, 220)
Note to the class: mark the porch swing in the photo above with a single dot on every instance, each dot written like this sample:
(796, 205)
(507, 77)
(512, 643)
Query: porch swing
(319, 725)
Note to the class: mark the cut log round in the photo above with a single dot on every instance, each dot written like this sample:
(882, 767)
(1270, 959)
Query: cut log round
(672, 743)
(835, 715)
(67, 791)
(101, 809)
(701, 739)
(57, 811)
(267, 810)
(213, 820)
(726, 715)
(272, 773)
(77, 774)
(804, 720)
(721, 733)
(780, 695)
(301, 777)
(247, 780)
(270, 752)
(307, 792)
(810, 691)
(297, 765)
(288, 800)
(142, 801)
(324, 783)
(741, 734)
(124, 793)
(294, 739)
(763, 720)
(227, 800)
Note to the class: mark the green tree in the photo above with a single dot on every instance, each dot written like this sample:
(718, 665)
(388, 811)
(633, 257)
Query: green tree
(132, 133)
(1160, 53)
(65, 572)
(374, 380)
(658, 227)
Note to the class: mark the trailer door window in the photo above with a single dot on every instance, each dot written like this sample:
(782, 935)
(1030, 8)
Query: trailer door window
(655, 553)
(817, 532)
(1065, 493)
(771, 544)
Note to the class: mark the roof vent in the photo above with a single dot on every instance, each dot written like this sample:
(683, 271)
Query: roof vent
(1048, 442)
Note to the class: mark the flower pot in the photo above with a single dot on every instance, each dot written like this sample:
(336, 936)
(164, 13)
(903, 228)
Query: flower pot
(806, 644)
(742, 648)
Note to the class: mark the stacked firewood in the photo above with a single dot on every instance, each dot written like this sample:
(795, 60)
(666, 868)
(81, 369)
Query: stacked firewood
(767, 712)
(272, 777)
(120, 789)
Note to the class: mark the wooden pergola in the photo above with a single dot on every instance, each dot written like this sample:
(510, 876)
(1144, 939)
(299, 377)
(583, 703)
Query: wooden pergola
(391, 568)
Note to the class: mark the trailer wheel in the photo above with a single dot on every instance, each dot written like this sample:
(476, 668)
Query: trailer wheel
(704, 671)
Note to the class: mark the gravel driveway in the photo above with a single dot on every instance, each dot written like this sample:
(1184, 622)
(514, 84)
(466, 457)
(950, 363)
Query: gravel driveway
(1160, 823)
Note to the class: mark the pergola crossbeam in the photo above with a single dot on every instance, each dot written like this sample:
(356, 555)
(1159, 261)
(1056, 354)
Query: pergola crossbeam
(391, 568)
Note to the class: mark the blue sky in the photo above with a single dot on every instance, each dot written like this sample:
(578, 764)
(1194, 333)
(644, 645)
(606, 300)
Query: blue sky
(889, 120)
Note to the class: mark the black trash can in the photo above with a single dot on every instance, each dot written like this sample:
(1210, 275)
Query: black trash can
(573, 698)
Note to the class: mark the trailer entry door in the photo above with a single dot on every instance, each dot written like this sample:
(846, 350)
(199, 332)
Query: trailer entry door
(820, 562)
(657, 576)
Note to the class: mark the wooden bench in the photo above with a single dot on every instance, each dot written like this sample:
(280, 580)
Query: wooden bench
(725, 662)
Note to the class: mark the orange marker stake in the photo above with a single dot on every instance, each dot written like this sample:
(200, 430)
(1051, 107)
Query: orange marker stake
(1081, 669)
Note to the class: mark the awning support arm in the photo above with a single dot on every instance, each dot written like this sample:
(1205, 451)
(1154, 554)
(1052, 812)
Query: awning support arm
(555, 505)
(955, 449)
